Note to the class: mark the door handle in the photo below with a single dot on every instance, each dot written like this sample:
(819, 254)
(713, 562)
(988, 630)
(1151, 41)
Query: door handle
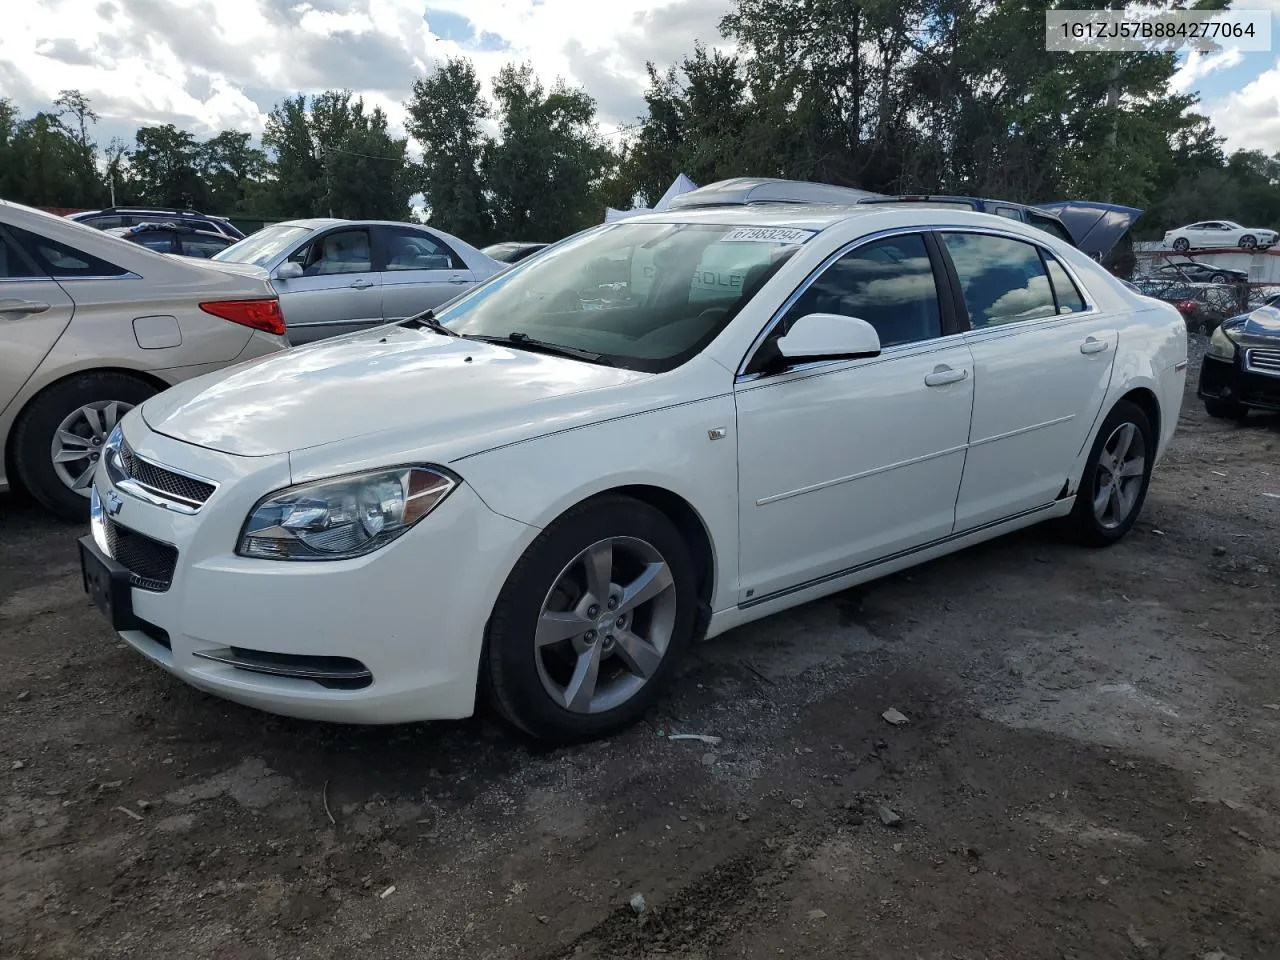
(459, 280)
(360, 284)
(23, 306)
(942, 375)
(1093, 345)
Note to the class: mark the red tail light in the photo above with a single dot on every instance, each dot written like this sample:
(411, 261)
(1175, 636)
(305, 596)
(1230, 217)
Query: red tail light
(1186, 306)
(260, 314)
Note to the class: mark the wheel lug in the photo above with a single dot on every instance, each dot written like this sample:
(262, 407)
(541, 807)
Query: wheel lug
(97, 441)
(609, 639)
(621, 621)
(593, 611)
(93, 457)
(589, 637)
(613, 603)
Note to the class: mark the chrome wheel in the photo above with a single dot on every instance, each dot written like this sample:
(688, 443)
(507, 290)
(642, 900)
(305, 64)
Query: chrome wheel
(605, 625)
(78, 441)
(1122, 468)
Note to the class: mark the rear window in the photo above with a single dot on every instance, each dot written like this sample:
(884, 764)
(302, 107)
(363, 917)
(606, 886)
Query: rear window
(62, 261)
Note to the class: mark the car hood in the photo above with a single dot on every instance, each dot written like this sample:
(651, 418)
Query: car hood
(1096, 227)
(1261, 328)
(411, 381)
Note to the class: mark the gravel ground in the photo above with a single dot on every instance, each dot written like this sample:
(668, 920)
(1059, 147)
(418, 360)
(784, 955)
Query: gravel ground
(1088, 769)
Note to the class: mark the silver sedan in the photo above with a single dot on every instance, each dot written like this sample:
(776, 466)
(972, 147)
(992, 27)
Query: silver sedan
(339, 276)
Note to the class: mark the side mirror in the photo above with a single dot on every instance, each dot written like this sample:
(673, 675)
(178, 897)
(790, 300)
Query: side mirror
(288, 271)
(829, 336)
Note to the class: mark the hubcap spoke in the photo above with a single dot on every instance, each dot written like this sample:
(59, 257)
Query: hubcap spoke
(554, 626)
(652, 582)
(110, 416)
(94, 418)
(1124, 438)
(1134, 468)
(82, 481)
(639, 655)
(581, 688)
(1100, 502)
(1115, 507)
(598, 562)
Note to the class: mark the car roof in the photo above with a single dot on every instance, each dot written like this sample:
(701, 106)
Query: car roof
(747, 190)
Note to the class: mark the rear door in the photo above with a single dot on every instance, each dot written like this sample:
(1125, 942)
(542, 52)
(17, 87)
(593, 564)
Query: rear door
(339, 290)
(34, 310)
(419, 271)
(1042, 358)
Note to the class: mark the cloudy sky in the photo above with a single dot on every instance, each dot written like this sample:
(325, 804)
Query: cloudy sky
(209, 65)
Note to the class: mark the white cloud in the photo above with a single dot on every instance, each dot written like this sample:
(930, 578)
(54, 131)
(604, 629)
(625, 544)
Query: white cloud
(209, 65)
(1199, 65)
(1250, 117)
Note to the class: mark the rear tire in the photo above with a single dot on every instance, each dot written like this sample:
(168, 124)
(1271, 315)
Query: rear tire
(1116, 478)
(1182, 245)
(1226, 410)
(38, 428)
(558, 610)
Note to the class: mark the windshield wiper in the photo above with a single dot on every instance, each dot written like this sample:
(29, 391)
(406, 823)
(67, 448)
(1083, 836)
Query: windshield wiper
(427, 318)
(525, 342)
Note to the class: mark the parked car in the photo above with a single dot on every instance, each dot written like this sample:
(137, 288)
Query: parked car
(512, 252)
(548, 503)
(339, 276)
(1195, 271)
(1203, 306)
(89, 328)
(1218, 233)
(1241, 369)
(113, 217)
(175, 238)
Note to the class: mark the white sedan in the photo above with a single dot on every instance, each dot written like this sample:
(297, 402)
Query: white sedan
(1218, 233)
(656, 430)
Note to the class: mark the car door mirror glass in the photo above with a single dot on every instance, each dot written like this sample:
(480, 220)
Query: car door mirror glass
(288, 271)
(829, 336)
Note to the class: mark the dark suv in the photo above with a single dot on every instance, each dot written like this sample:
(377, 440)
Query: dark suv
(132, 216)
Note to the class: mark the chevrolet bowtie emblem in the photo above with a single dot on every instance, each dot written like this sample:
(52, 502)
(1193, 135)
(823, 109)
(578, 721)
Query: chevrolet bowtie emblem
(114, 503)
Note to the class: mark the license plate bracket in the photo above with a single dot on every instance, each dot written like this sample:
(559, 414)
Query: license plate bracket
(108, 585)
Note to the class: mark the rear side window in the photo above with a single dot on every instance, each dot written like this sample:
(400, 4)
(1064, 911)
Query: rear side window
(1004, 281)
(203, 246)
(162, 242)
(888, 283)
(13, 265)
(1068, 295)
(1050, 225)
(414, 250)
(62, 261)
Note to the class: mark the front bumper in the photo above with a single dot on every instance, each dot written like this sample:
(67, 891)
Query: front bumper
(1230, 382)
(411, 615)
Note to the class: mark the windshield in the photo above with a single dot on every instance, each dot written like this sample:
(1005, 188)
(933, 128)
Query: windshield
(647, 296)
(262, 247)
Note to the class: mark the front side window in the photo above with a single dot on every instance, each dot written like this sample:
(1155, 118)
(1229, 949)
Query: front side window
(62, 261)
(343, 251)
(647, 296)
(888, 283)
(1003, 280)
(414, 250)
(264, 246)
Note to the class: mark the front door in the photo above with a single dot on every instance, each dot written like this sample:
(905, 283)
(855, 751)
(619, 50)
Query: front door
(848, 462)
(339, 290)
(1042, 359)
(419, 272)
(34, 310)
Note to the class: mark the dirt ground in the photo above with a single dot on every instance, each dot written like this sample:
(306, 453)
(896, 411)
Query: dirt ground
(1089, 770)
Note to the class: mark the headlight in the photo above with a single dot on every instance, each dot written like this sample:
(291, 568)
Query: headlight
(1221, 345)
(344, 517)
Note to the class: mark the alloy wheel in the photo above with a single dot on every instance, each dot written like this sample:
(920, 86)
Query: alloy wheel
(78, 441)
(605, 625)
(1122, 468)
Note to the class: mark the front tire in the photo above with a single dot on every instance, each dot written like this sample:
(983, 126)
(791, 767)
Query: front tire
(1226, 410)
(1248, 242)
(591, 622)
(1116, 478)
(60, 435)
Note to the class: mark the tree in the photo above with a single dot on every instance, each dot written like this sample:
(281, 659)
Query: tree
(333, 158)
(545, 171)
(231, 169)
(163, 169)
(445, 113)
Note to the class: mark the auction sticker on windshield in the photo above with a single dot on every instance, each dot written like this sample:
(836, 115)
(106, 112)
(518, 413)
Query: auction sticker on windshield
(766, 235)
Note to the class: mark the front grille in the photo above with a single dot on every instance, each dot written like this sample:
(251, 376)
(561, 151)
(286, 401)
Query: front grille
(1263, 361)
(187, 489)
(149, 561)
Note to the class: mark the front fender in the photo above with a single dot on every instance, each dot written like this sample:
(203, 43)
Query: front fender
(673, 449)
